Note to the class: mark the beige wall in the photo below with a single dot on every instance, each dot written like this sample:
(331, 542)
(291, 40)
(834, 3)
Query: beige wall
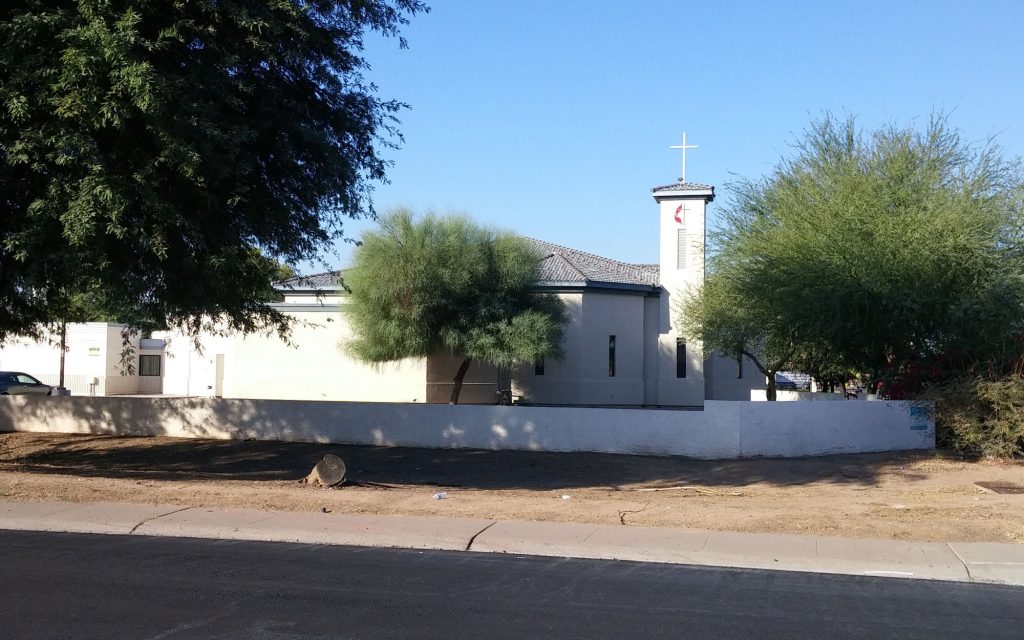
(604, 315)
(724, 381)
(313, 367)
(582, 376)
(560, 383)
(480, 386)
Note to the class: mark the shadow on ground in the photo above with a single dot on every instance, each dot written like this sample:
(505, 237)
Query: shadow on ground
(164, 458)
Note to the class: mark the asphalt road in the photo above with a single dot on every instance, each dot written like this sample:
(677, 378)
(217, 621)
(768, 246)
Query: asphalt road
(92, 586)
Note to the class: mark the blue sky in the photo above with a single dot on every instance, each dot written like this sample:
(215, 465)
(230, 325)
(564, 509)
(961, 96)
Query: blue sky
(553, 119)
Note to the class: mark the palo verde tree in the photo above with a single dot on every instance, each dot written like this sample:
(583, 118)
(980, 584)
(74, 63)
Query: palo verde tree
(717, 317)
(869, 252)
(420, 286)
(166, 156)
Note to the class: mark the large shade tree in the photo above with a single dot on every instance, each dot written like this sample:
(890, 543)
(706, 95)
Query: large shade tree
(870, 252)
(165, 156)
(420, 286)
(720, 318)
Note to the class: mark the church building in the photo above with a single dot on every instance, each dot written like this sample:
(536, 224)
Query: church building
(621, 346)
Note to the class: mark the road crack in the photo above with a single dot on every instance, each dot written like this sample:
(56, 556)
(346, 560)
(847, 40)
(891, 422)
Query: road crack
(156, 517)
(469, 545)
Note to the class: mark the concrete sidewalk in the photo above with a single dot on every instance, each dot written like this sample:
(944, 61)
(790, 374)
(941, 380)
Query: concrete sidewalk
(965, 562)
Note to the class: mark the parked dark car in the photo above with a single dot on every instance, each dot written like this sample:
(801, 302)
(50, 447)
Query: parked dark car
(15, 383)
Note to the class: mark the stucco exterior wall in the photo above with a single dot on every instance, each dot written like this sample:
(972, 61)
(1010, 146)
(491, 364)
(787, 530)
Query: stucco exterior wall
(188, 371)
(678, 280)
(582, 376)
(312, 298)
(480, 385)
(560, 383)
(721, 430)
(723, 379)
(92, 363)
(117, 382)
(313, 367)
(789, 395)
(605, 315)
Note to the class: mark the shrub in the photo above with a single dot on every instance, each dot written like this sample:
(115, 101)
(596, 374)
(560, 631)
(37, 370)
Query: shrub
(980, 415)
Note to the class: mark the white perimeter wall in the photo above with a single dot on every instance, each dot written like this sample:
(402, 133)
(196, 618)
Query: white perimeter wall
(722, 430)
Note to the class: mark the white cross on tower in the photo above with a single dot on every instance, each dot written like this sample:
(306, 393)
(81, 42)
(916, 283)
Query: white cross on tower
(684, 147)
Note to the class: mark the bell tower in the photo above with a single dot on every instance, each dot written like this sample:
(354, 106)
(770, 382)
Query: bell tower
(681, 214)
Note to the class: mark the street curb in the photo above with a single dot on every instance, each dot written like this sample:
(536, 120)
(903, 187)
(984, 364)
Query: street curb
(961, 562)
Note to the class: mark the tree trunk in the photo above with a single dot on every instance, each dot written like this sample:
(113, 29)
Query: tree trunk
(769, 392)
(457, 389)
(63, 349)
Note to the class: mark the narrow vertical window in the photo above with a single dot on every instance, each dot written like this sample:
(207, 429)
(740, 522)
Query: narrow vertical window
(538, 367)
(739, 368)
(680, 359)
(680, 248)
(611, 356)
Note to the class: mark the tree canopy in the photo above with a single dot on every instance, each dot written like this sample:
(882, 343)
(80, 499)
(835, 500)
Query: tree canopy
(432, 284)
(870, 252)
(165, 156)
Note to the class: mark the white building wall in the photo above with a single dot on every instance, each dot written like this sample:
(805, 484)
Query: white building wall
(678, 280)
(92, 363)
(789, 395)
(313, 367)
(722, 375)
(189, 371)
(118, 381)
(306, 297)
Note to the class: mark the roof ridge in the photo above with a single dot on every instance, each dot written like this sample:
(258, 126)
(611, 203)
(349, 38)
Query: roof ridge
(572, 266)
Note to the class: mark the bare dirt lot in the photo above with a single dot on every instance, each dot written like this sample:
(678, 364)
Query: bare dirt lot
(912, 496)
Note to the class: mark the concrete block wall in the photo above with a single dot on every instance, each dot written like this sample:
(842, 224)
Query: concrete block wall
(722, 430)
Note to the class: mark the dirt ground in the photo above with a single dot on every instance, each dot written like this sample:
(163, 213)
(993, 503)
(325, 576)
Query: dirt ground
(907, 496)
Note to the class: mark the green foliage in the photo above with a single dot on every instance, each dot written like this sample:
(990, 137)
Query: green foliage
(718, 317)
(163, 156)
(980, 415)
(868, 252)
(421, 286)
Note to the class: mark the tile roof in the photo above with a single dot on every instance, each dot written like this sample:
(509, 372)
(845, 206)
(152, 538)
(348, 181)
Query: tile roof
(560, 266)
(683, 186)
(324, 281)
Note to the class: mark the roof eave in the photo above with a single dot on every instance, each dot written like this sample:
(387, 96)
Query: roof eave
(309, 291)
(708, 194)
(571, 285)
